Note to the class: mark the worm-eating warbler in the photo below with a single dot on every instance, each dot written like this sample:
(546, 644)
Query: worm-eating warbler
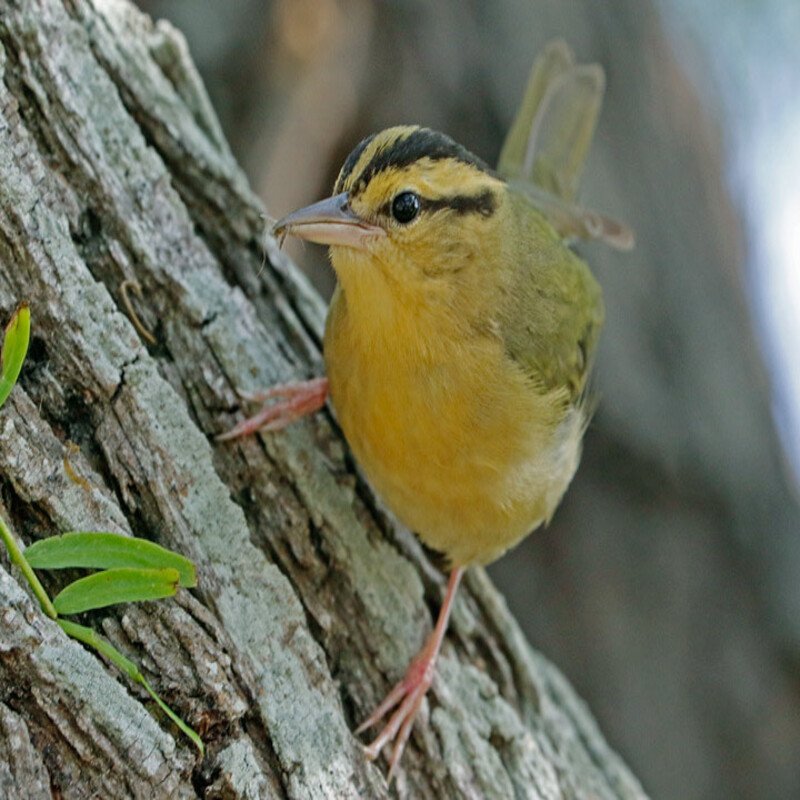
(461, 332)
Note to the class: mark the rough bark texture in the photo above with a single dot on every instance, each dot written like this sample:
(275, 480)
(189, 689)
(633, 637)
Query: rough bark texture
(310, 603)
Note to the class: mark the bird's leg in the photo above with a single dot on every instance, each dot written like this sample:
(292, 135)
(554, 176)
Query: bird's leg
(295, 400)
(407, 696)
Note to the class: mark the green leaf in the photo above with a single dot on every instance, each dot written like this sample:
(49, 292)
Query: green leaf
(106, 649)
(112, 586)
(106, 551)
(15, 346)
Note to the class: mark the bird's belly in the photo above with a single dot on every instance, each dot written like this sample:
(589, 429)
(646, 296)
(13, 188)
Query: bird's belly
(471, 467)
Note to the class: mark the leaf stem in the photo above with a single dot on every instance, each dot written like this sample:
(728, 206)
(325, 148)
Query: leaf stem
(18, 558)
(105, 648)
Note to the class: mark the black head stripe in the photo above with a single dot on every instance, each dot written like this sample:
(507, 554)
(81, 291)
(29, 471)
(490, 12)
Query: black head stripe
(421, 143)
(350, 162)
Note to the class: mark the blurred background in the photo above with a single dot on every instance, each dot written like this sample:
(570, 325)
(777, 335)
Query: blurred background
(668, 586)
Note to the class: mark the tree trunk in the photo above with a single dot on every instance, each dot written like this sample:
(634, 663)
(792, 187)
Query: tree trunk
(310, 602)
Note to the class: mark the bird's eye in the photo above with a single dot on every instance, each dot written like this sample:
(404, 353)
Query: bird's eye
(405, 207)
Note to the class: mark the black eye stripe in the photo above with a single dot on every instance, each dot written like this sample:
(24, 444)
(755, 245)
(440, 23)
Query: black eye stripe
(484, 204)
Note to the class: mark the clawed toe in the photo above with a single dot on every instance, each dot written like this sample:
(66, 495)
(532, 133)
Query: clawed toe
(296, 400)
(405, 699)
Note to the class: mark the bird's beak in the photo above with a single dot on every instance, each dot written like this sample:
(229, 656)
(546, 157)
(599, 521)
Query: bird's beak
(330, 221)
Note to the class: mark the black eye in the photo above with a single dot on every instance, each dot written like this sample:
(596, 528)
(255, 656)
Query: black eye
(405, 207)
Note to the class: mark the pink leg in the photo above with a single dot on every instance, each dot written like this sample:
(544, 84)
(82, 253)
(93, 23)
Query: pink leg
(410, 692)
(296, 401)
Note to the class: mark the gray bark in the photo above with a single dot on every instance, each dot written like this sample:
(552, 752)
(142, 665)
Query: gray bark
(310, 602)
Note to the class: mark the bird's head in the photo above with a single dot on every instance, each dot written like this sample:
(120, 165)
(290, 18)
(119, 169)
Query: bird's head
(411, 209)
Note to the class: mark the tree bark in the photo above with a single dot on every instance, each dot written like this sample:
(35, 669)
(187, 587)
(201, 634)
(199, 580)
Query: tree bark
(310, 601)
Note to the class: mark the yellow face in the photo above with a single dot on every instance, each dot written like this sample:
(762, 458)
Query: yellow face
(412, 207)
(433, 208)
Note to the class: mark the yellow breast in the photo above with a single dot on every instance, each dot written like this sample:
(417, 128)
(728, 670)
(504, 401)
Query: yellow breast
(451, 434)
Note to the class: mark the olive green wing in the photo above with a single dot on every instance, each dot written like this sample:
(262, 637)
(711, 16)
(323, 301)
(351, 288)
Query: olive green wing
(545, 150)
(552, 312)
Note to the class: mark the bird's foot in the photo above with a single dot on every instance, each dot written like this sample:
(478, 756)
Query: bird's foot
(406, 699)
(296, 400)
(407, 696)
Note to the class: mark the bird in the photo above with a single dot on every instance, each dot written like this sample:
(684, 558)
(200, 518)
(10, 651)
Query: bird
(461, 334)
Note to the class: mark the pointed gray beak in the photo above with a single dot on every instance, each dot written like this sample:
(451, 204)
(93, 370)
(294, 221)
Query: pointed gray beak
(330, 221)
